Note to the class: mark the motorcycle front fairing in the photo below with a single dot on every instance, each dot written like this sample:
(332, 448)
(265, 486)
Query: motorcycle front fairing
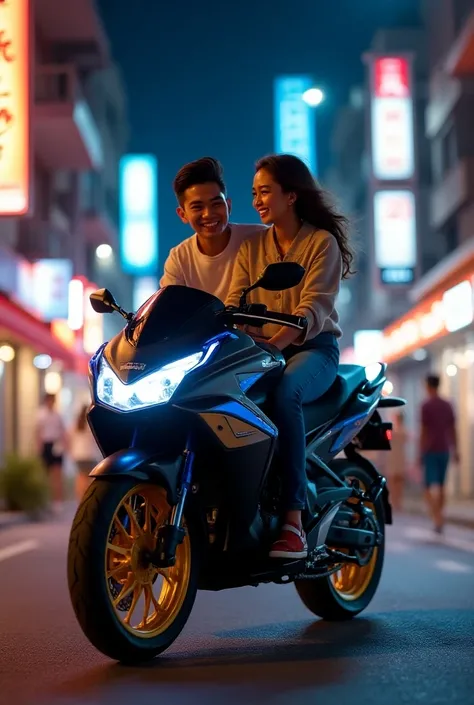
(232, 439)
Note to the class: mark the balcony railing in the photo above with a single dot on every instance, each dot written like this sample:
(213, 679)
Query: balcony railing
(39, 239)
(57, 83)
(58, 94)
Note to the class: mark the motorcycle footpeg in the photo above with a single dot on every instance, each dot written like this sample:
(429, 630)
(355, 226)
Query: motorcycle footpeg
(169, 538)
(317, 556)
(375, 490)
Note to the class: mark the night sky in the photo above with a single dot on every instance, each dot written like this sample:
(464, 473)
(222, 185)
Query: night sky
(199, 77)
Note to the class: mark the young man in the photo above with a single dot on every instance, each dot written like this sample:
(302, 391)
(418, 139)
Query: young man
(438, 439)
(205, 260)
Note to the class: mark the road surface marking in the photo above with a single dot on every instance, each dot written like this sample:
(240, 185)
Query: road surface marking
(417, 532)
(453, 567)
(16, 549)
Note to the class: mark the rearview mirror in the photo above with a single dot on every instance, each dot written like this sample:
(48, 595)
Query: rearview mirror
(280, 275)
(276, 277)
(102, 301)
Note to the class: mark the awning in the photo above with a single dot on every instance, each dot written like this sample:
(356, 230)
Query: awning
(18, 325)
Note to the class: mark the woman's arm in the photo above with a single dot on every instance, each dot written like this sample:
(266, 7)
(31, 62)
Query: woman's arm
(285, 337)
(320, 288)
(240, 276)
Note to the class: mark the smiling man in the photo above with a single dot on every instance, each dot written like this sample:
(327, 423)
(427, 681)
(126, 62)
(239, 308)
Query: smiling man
(205, 260)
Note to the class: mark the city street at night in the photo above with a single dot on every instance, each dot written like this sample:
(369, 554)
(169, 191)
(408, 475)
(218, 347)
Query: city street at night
(414, 645)
(236, 295)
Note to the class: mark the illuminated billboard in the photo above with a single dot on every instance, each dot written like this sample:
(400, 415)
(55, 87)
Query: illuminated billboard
(139, 214)
(49, 287)
(395, 235)
(294, 119)
(393, 153)
(15, 97)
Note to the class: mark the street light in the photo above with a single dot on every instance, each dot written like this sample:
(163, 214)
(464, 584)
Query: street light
(103, 252)
(313, 97)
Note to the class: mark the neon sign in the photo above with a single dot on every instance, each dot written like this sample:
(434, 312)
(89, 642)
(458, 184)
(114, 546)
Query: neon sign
(393, 153)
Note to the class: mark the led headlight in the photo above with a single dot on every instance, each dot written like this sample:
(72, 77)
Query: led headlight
(156, 388)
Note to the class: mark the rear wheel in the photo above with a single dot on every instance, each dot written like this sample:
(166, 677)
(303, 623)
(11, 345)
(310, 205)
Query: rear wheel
(347, 592)
(127, 608)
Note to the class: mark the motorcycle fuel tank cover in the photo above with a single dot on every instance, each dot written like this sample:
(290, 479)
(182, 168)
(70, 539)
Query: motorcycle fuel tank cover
(174, 323)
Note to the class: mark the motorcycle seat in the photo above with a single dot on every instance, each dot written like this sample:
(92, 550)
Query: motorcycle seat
(316, 413)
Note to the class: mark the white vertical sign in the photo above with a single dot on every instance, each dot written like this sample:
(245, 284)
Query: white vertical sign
(395, 235)
(393, 153)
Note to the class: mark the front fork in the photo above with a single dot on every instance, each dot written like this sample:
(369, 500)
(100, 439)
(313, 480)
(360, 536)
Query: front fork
(172, 534)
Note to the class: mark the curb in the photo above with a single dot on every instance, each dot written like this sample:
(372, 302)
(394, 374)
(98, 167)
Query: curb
(464, 521)
(8, 519)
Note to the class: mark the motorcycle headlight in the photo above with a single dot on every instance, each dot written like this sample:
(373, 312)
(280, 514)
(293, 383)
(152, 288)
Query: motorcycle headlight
(156, 388)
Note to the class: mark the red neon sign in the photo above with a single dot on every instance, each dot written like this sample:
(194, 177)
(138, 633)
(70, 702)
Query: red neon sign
(392, 78)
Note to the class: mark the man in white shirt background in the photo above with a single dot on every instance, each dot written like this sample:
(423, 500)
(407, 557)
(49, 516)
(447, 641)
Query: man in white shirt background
(205, 260)
(51, 440)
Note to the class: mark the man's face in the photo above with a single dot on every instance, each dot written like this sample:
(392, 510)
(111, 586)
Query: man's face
(206, 209)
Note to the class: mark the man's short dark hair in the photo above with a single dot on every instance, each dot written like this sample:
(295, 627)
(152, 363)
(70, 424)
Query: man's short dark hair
(433, 381)
(202, 171)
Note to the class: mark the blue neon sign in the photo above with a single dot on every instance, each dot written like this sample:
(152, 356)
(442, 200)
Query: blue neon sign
(139, 214)
(295, 122)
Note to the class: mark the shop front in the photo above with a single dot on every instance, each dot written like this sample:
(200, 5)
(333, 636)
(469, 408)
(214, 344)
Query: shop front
(437, 336)
(33, 361)
(39, 351)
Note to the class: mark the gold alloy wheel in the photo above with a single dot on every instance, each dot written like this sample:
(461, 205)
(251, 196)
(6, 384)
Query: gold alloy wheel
(146, 599)
(351, 581)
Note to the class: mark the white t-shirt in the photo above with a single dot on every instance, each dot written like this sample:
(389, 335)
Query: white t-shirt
(49, 425)
(188, 266)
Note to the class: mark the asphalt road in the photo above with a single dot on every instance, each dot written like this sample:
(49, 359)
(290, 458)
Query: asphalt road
(255, 645)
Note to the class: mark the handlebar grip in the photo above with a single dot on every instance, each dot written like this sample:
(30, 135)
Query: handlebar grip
(300, 321)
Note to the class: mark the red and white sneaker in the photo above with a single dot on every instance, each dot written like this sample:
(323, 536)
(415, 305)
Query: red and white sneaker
(291, 544)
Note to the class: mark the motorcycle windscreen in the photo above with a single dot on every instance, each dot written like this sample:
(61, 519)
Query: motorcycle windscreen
(173, 312)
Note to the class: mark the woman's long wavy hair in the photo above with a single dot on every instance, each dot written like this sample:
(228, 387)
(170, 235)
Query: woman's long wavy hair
(312, 204)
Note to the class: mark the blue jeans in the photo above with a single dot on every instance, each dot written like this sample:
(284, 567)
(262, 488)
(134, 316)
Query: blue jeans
(311, 369)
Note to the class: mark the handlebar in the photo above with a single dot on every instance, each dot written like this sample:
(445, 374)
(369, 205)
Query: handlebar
(258, 317)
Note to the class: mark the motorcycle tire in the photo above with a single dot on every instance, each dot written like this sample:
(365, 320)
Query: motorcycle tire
(89, 579)
(333, 599)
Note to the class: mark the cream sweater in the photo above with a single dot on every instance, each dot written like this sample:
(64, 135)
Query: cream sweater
(315, 250)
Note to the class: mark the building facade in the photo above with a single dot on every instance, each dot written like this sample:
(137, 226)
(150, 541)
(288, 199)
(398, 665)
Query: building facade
(436, 333)
(73, 104)
(367, 169)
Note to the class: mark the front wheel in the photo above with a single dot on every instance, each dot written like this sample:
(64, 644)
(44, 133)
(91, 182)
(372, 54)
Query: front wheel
(350, 590)
(127, 608)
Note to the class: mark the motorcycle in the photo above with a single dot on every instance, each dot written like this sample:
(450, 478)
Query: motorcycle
(188, 494)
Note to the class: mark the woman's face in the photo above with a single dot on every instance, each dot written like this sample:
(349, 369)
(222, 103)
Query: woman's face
(272, 204)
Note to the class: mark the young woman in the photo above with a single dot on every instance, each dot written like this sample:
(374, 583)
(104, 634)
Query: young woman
(307, 230)
(84, 452)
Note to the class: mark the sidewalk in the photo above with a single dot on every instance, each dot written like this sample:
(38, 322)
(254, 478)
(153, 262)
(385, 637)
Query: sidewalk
(12, 518)
(459, 512)
(8, 518)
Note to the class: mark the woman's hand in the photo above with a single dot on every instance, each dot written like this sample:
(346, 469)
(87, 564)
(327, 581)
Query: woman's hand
(285, 337)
